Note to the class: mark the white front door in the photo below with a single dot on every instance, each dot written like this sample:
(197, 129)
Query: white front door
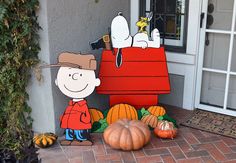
(216, 75)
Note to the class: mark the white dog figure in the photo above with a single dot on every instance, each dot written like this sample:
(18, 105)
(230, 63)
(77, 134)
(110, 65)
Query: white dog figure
(120, 34)
(121, 38)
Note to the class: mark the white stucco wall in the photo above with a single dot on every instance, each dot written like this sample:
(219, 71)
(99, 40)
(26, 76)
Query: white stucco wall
(40, 93)
(68, 25)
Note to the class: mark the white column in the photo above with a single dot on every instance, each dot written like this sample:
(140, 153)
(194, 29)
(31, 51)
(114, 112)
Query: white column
(134, 16)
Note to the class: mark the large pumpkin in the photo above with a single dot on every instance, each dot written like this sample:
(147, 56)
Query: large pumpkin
(150, 120)
(96, 115)
(120, 111)
(157, 110)
(127, 135)
(165, 129)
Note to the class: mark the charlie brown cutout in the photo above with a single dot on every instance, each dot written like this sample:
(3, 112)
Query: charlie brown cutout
(76, 79)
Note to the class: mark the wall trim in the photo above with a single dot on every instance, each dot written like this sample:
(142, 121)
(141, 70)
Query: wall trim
(188, 71)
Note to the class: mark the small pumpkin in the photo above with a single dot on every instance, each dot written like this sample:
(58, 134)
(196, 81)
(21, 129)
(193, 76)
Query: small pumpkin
(157, 110)
(45, 140)
(127, 134)
(150, 120)
(96, 115)
(165, 129)
(120, 111)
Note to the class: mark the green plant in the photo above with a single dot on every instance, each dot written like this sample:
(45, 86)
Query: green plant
(19, 47)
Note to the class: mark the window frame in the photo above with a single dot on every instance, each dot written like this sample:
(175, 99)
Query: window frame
(178, 49)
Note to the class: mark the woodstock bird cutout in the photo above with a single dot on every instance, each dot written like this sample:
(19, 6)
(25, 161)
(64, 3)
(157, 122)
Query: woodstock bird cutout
(141, 39)
(121, 38)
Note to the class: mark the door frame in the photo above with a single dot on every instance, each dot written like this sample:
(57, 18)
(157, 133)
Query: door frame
(200, 68)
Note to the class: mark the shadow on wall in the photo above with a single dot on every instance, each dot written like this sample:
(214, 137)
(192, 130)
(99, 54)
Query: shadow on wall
(175, 98)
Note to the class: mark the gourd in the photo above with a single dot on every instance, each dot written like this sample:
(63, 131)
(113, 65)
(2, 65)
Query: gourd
(150, 120)
(157, 110)
(165, 129)
(96, 115)
(120, 111)
(127, 134)
(45, 140)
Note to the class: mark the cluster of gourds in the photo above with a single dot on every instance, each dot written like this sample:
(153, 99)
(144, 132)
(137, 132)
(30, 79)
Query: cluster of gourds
(155, 117)
(124, 127)
(129, 129)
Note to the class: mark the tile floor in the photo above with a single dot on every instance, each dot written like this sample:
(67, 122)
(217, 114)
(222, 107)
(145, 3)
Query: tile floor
(190, 146)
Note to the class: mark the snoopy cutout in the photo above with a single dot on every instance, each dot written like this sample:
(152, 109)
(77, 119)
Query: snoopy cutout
(120, 34)
(121, 38)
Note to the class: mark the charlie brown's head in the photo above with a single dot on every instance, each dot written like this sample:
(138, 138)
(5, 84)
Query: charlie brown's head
(76, 77)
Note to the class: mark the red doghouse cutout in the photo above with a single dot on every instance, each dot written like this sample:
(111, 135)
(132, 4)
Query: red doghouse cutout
(142, 76)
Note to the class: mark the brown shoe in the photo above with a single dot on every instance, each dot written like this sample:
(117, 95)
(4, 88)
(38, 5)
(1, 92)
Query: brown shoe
(65, 142)
(81, 143)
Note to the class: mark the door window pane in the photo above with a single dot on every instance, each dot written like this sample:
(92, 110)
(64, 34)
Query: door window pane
(213, 89)
(233, 61)
(220, 14)
(216, 51)
(231, 104)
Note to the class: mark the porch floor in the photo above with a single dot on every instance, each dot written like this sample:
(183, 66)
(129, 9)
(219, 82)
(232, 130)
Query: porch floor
(190, 146)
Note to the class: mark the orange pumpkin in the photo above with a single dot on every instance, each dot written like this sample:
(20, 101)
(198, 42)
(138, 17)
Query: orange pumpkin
(127, 135)
(157, 110)
(150, 120)
(165, 129)
(96, 115)
(120, 111)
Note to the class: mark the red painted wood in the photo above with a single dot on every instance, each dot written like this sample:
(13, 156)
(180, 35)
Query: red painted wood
(136, 54)
(122, 92)
(134, 84)
(142, 76)
(134, 69)
(143, 100)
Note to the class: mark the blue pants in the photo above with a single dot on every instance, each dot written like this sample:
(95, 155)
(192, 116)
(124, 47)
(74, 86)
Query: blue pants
(80, 135)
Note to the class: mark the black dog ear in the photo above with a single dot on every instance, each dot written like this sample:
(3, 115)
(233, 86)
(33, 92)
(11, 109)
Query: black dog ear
(97, 44)
(120, 14)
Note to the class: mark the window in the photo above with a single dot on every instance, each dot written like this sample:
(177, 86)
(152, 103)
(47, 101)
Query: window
(170, 18)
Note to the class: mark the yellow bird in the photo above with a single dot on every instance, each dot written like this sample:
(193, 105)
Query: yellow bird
(144, 22)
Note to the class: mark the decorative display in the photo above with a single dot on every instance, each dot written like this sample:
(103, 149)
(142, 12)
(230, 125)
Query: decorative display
(127, 135)
(168, 118)
(126, 111)
(76, 79)
(45, 140)
(141, 39)
(103, 42)
(120, 34)
(100, 126)
(165, 129)
(140, 79)
(157, 110)
(150, 120)
(121, 38)
(96, 115)
(135, 71)
(120, 111)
